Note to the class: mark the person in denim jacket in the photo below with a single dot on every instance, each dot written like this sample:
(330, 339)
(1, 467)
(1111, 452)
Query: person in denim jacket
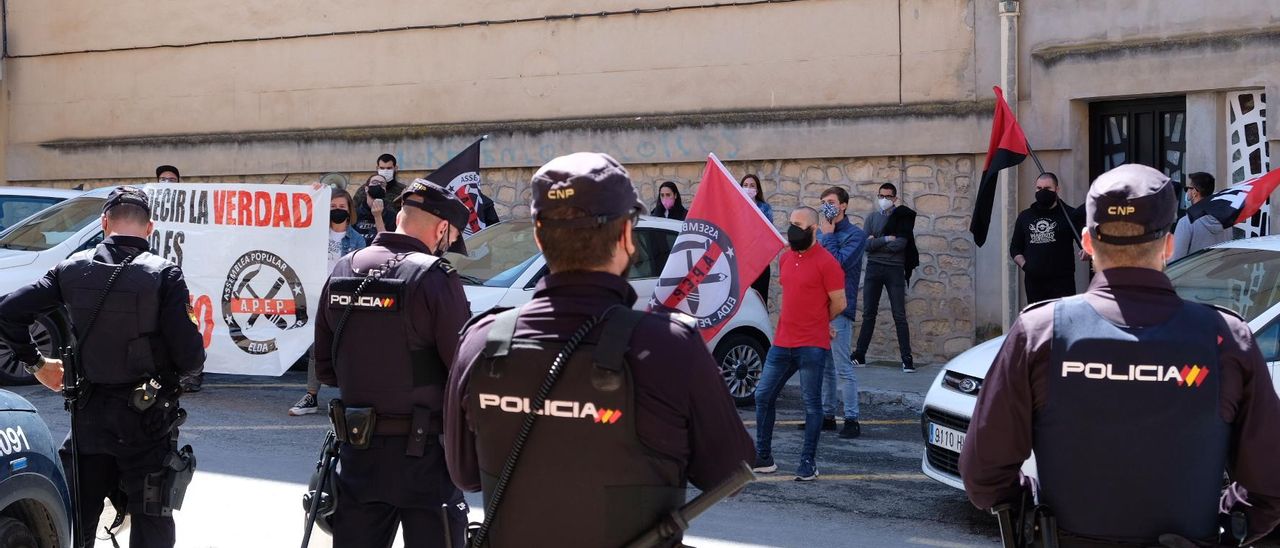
(847, 243)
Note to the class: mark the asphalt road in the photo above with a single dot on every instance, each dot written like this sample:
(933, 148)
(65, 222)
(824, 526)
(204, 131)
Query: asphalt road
(254, 461)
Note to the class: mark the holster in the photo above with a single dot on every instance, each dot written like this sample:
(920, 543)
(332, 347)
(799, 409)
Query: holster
(164, 490)
(353, 425)
(424, 428)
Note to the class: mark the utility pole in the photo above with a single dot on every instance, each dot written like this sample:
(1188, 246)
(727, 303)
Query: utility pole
(1009, 11)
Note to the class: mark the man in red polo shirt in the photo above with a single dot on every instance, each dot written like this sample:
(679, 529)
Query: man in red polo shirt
(812, 295)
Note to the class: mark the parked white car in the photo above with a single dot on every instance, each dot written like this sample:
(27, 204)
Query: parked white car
(30, 248)
(1242, 275)
(18, 203)
(503, 267)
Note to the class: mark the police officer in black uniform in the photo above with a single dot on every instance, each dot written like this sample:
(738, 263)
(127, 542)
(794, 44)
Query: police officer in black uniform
(143, 338)
(1134, 400)
(392, 315)
(639, 409)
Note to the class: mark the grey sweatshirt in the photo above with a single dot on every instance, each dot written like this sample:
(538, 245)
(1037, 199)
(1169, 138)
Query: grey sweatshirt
(880, 251)
(1189, 237)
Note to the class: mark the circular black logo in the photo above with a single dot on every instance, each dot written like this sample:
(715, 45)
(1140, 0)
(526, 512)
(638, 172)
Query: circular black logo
(708, 288)
(262, 297)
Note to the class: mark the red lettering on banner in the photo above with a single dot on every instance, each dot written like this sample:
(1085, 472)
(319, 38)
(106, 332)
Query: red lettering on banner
(219, 206)
(282, 216)
(263, 306)
(244, 208)
(202, 313)
(261, 208)
(302, 210)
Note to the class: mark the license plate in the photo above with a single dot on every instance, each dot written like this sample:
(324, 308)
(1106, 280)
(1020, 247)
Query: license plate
(946, 438)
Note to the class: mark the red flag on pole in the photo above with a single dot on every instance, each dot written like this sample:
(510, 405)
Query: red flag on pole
(724, 245)
(1235, 204)
(1008, 148)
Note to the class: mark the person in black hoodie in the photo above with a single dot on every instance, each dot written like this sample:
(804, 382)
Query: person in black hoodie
(1043, 243)
(670, 205)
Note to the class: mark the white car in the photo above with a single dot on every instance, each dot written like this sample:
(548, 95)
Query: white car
(18, 203)
(30, 248)
(1242, 275)
(503, 266)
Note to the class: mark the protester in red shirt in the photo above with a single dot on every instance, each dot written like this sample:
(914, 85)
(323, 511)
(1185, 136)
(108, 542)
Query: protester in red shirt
(812, 295)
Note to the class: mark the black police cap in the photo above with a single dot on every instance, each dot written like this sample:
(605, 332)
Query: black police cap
(591, 182)
(127, 195)
(434, 199)
(1131, 193)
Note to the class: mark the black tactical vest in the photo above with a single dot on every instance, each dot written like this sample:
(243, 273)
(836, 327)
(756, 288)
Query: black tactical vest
(125, 346)
(584, 478)
(1130, 443)
(382, 362)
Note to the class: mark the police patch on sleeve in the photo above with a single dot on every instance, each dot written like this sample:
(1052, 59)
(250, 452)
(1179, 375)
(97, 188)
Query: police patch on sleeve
(191, 314)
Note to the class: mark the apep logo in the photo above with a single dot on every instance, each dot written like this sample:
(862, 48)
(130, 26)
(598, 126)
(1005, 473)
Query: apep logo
(709, 290)
(1042, 231)
(1189, 376)
(262, 297)
(564, 409)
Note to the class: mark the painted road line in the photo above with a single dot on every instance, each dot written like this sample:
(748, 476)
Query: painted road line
(778, 478)
(939, 543)
(250, 385)
(864, 423)
(219, 428)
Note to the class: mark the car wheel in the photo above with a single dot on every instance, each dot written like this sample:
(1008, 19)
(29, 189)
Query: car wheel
(15, 534)
(741, 360)
(48, 337)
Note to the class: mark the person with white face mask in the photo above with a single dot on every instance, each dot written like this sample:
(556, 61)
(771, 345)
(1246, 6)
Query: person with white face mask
(376, 211)
(751, 185)
(890, 257)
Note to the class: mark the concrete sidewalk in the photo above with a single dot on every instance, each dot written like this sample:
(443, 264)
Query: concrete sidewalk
(882, 383)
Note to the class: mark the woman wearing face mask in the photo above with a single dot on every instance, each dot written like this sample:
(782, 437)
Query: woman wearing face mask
(343, 239)
(669, 205)
(375, 207)
(751, 184)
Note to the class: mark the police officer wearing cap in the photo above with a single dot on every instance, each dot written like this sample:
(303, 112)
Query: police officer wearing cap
(637, 412)
(389, 330)
(1134, 400)
(144, 335)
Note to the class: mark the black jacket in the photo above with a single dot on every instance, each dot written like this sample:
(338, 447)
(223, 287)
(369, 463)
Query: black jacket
(902, 225)
(1046, 238)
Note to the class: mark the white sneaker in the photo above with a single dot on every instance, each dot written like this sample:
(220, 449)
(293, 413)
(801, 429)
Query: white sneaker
(305, 406)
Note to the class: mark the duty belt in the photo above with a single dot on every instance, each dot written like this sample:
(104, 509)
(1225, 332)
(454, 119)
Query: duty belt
(393, 425)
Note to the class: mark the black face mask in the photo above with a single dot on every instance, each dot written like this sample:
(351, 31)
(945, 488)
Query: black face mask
(377, 192)
(799, 238)
(1046, 197)
(339, 216)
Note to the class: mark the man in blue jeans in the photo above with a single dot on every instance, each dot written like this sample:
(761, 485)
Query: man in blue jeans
(890, 229)
(812, 295)
(846, 243)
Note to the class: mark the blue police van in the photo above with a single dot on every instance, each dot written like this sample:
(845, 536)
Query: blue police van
(35, 503)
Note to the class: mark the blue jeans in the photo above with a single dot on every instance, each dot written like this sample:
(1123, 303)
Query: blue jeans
(838, 362)
(779, 366)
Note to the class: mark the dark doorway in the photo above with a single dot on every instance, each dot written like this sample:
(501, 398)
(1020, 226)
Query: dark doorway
(1144, 131)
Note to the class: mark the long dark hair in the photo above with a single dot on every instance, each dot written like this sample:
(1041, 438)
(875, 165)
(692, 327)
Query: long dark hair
(759, 187)
(678, 209)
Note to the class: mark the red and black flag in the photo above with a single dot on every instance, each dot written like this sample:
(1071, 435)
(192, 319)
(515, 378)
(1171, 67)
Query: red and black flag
(1008, 148)
(1237, 203)
(461, 177)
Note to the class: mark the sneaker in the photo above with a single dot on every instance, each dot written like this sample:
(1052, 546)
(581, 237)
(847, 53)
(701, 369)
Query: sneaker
(908, 367)
(808, 471)
(828, 424)
(764, 465)
(305, 406)
(858, 362)
(851, 429)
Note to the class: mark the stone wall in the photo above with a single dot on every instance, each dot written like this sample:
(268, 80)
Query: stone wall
(940, 301)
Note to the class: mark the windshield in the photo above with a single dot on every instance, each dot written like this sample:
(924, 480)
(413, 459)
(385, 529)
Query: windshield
(1244, 280)
(497, 255)
(54, 225)
(17, 208)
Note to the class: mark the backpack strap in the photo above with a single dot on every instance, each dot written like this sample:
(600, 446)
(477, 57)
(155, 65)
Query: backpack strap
(615, 340)
(497, 343)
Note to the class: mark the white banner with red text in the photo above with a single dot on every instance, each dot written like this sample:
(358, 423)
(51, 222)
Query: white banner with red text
(254, 257)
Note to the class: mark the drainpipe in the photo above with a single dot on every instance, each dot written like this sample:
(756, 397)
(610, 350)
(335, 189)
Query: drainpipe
(1009, 11)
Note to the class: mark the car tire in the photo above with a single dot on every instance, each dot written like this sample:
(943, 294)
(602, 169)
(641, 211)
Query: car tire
(740, 358)
(15, 534)
(48, 334)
